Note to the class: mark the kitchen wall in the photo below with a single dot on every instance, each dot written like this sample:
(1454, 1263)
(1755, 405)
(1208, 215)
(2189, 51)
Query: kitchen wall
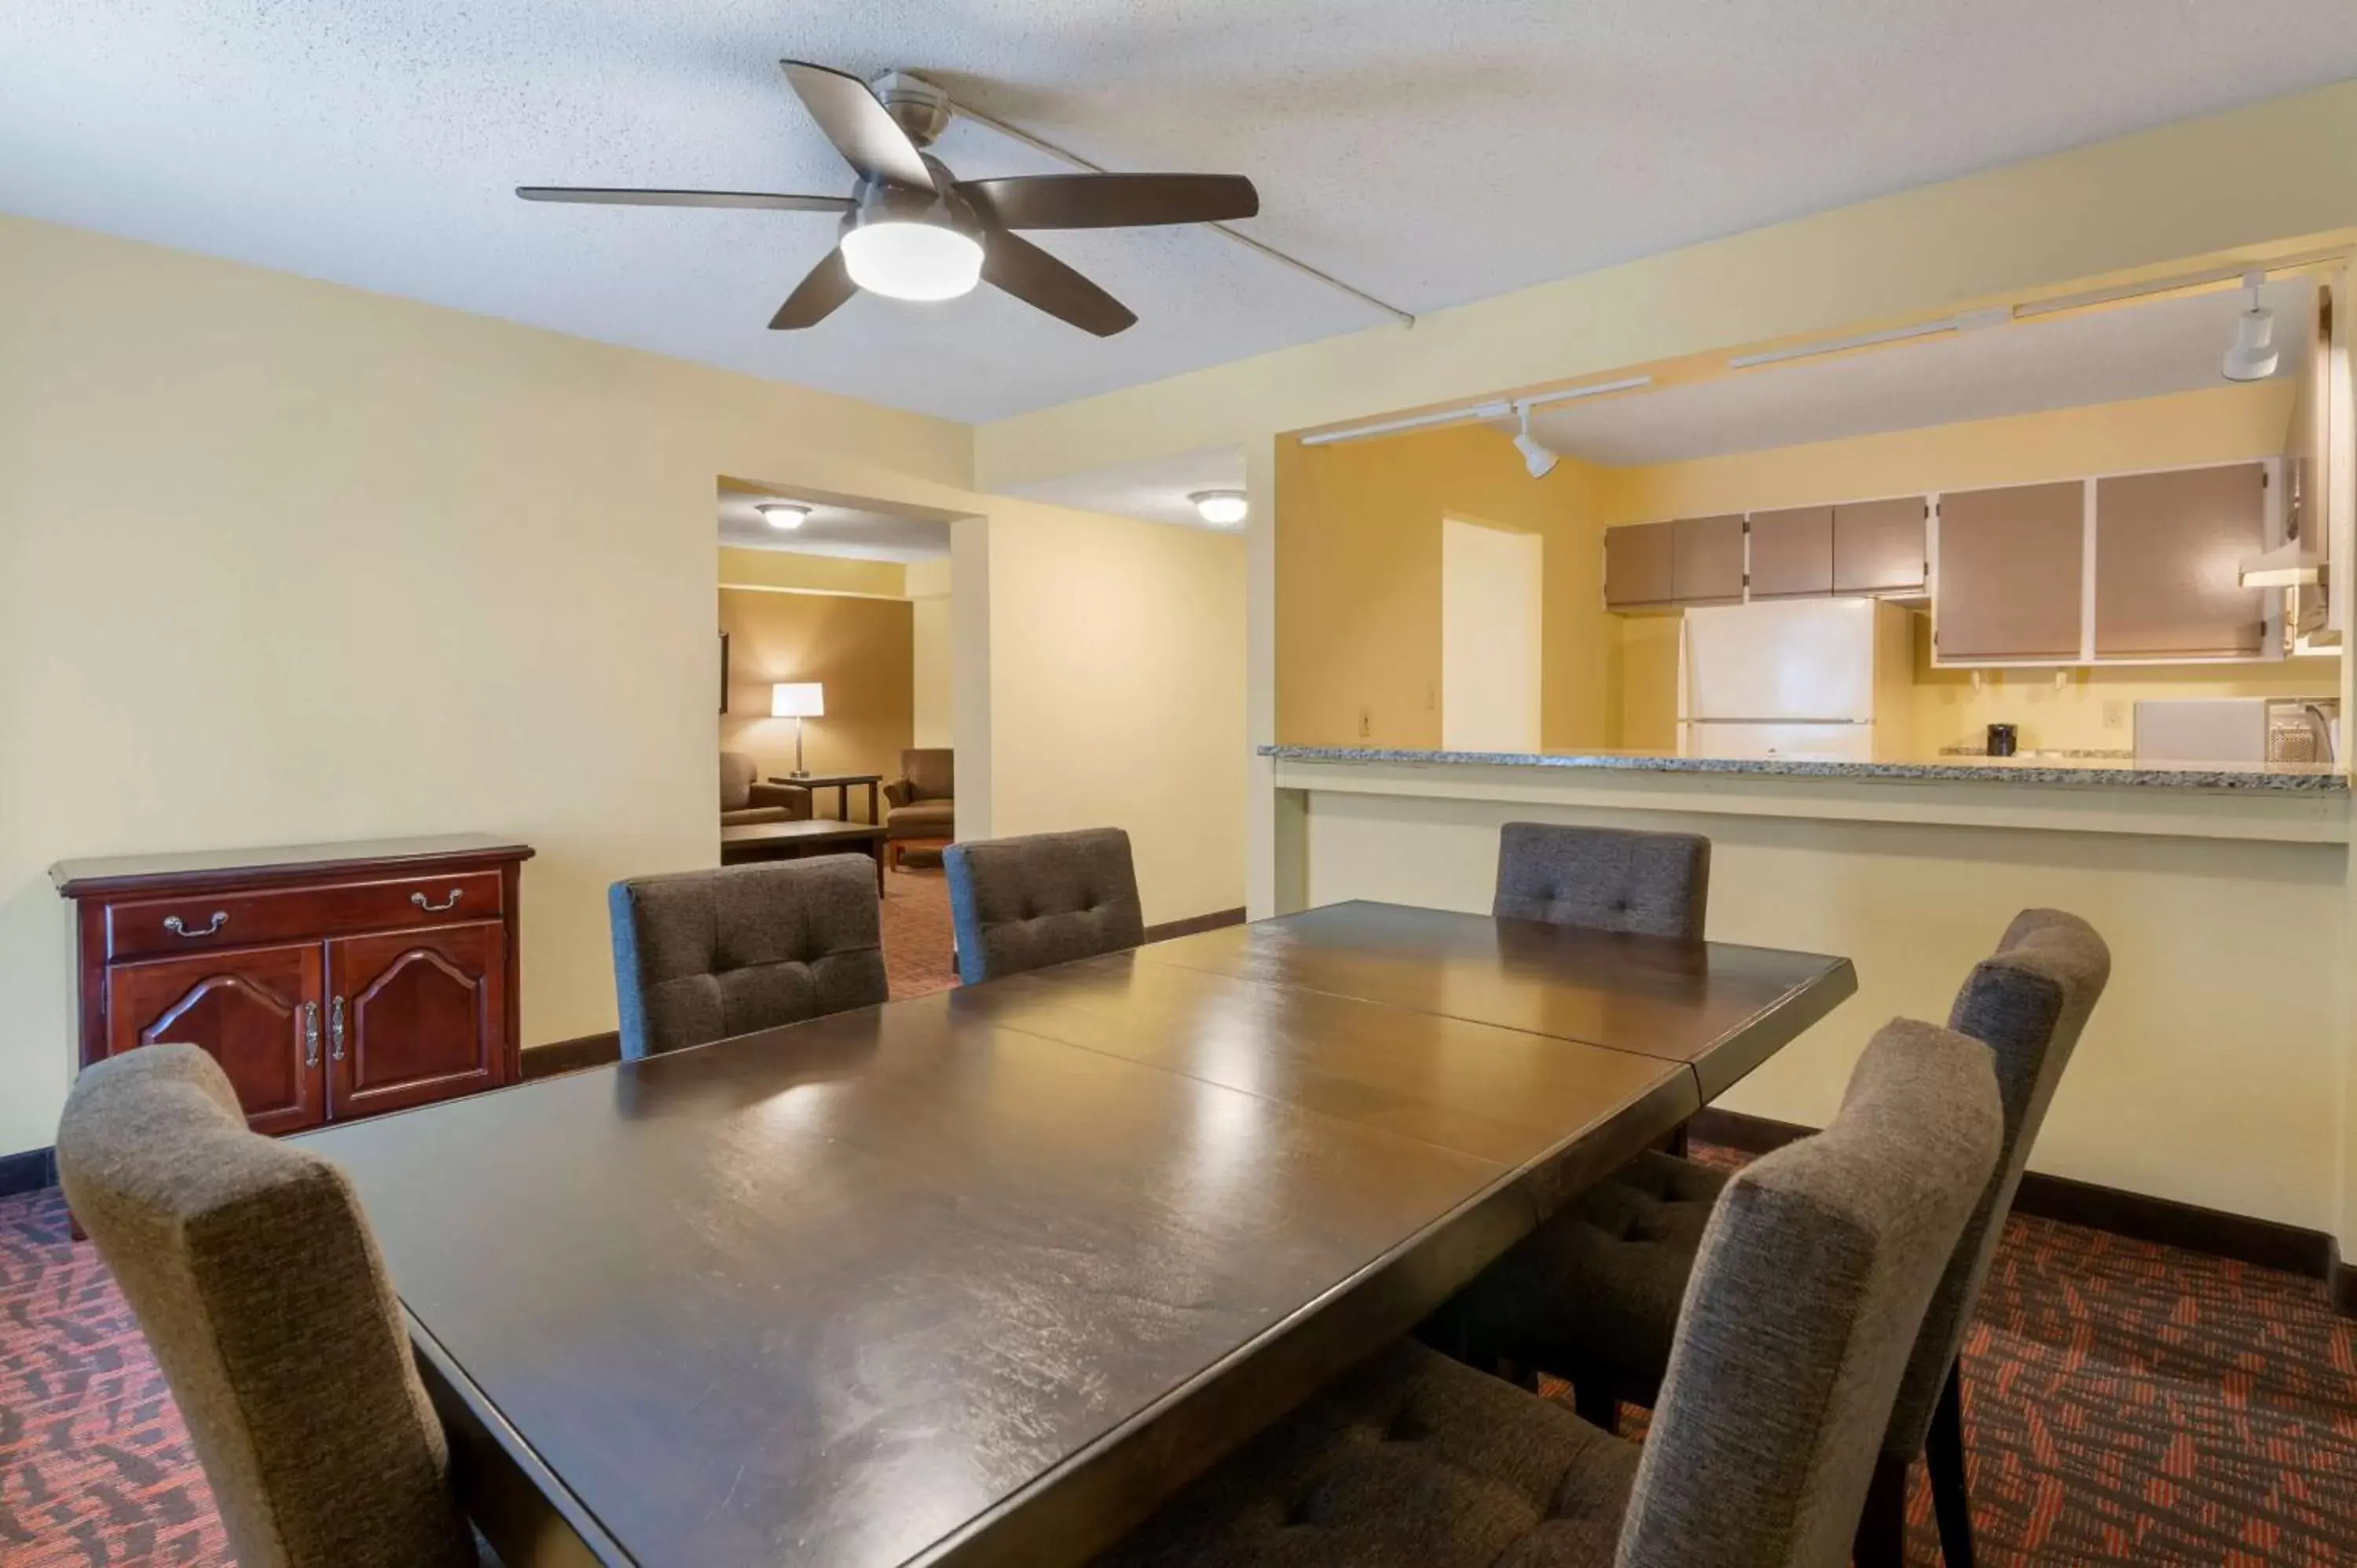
(792, 569)
(2092, 707)
(861, 650)
(1359, 584)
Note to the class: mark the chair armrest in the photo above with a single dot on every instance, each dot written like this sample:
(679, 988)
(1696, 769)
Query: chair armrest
(899, 792)
(793, 797)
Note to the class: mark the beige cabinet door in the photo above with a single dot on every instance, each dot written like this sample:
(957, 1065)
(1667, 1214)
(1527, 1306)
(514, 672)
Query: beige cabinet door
(2011, 568)
(1878, 546)
(1639, 565)
(1707, 559)
(2169, 549)
(1792, 553)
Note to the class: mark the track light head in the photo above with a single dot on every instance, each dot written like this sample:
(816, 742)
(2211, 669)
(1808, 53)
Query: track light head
(1537, 456)
(2253, 357)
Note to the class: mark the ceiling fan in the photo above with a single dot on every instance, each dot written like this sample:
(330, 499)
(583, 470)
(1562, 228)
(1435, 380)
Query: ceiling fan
(912, 231)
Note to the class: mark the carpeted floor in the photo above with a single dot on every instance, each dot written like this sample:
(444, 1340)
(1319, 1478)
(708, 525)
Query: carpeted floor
(2124, 1402)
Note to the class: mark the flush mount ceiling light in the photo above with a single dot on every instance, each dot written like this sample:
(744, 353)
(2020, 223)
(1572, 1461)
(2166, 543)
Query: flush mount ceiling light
(1222, 508)
(782, 514)
(2253, 357)
(1537, 456)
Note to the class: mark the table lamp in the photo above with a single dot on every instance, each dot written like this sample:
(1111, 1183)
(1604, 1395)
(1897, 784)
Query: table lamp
(798, 700)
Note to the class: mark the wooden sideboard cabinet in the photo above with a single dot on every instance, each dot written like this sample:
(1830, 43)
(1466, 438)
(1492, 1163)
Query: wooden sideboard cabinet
(329, 981)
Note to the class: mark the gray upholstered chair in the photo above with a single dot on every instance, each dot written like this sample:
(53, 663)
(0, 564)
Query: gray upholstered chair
(1595, 1295)
(1025, 903)
(1808, 1290)
(255, 1278)
(1654, 884)
(923, 801)
(702, 955)
(744, 799)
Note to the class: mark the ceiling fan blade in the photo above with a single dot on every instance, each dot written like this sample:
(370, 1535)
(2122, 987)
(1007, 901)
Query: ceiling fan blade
(1111, 200)
(686, 197)
(1042, 282)
(825, 287)
(861, 128)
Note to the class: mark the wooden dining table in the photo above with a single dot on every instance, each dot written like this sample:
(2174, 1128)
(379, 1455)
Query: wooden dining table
(987, 1275)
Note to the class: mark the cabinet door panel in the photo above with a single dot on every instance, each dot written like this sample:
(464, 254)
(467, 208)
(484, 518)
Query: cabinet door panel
(2011, 566)
(254, 1011)
(1708, 560)
(1640, 565)
(1792, 553)
(1878, 546)
(415, 1016)
(2169, 552)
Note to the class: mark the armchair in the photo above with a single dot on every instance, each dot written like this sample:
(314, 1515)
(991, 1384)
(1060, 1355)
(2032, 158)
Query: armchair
(923, 801)
(745, 800)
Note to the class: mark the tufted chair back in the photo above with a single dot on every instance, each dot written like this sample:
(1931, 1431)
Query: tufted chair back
(1025, 903)
(1611, 879)
(255, 1280)
(1806, 1295)
(703, 955)
(2027, 1003)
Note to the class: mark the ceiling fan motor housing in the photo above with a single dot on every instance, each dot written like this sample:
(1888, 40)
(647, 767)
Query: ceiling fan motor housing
(921, 109)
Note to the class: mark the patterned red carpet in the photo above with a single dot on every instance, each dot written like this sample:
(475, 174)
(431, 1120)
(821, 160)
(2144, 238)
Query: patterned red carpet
(2124, 1402)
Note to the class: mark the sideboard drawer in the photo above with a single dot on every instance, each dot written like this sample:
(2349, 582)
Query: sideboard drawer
(193, 922)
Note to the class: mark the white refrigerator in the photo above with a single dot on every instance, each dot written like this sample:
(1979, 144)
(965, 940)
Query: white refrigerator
(1800, 678)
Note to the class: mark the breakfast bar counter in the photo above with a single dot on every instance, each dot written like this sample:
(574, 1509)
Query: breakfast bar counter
(2219, 1071)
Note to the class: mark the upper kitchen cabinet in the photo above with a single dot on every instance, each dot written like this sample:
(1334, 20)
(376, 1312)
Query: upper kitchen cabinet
(1708, 560)
(2011, 572)
(2168, 550)
(1878, 546)
(1640, 566)
(1792, 553)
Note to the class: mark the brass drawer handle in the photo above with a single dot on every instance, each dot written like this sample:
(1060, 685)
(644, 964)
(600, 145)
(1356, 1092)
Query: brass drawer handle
(172, 923)
(443, 907)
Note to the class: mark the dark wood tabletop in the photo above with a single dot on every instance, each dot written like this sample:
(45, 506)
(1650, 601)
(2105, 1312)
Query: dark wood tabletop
(814, 830)
(983, 1276)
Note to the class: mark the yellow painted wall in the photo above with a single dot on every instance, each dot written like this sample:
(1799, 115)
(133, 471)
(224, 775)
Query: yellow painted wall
(934, 698)
(1116, 673)
(2094, 707)
(1357, 583)
(285, 561)
(860, 650)
(2218, 425)
(795, 571)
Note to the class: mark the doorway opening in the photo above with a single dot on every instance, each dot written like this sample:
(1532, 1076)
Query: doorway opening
(1490, 627)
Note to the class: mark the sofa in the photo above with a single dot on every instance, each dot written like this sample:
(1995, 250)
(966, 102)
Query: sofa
(744, 799)
(923, 801)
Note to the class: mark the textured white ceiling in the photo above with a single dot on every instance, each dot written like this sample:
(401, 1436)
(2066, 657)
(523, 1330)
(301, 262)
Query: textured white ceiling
(859, 532)
(1152, 492)
(2104, 355)
(1431, 155)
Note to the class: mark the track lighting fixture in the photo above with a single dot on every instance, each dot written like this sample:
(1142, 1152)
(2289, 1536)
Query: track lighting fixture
(2253, 357)
(1539, 458)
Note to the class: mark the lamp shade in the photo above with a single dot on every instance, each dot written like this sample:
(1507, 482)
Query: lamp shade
(797, 699)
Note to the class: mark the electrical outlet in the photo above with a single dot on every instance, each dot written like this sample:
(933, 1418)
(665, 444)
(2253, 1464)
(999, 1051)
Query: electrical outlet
(1366, 722)
(2115, 715)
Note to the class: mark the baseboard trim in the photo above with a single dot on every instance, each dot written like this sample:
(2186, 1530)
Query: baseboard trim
(2262, 1243)
(28, 1172)
(571, 1055)
(1189, 927)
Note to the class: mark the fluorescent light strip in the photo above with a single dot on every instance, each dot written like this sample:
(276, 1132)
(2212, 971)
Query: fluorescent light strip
(1502, 409)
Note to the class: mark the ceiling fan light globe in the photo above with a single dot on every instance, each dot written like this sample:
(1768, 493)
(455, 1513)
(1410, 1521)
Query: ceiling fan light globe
(1220, 509)
(907, 259)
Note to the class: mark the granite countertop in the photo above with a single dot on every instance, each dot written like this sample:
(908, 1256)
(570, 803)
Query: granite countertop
(2095, 772)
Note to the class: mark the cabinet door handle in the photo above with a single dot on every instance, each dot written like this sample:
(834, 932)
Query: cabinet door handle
(310, 1034)
(336, 1029)
(448, 904)
(173, 924)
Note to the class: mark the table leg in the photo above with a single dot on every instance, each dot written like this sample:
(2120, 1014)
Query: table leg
(875, 848)
(875, 809)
